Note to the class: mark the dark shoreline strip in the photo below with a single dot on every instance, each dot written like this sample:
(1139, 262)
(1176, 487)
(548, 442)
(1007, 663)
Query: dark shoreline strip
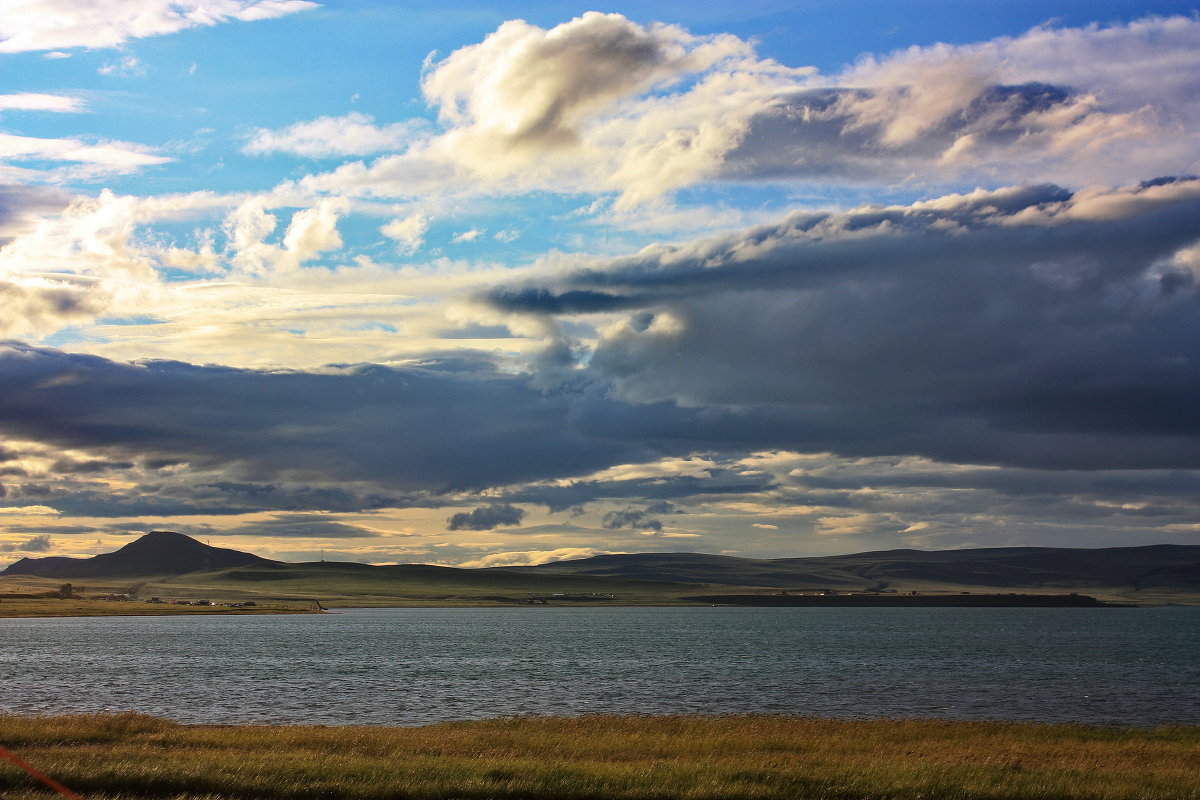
(909, 601)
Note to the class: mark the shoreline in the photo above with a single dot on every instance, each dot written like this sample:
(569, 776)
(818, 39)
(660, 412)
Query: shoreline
(47, 609)
(35, 605)
(911, 600)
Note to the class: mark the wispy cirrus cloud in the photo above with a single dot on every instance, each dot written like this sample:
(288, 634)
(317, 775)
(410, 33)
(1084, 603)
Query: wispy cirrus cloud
(300, 526)
(63, 24)
(36, 101)
(352, 135)
(111, 156)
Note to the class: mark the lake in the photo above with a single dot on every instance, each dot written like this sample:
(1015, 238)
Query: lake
(416, 666)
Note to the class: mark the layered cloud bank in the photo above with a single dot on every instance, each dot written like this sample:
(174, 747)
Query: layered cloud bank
(1004, 351)
(1023, 327)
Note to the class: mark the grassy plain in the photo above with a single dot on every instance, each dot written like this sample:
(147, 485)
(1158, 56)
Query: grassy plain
(108, 757)
(53, 607)
(26, 596)
(416, 585)
(426, 585)
(361, 585)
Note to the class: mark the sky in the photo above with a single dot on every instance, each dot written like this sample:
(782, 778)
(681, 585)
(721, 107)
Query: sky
(487, 283)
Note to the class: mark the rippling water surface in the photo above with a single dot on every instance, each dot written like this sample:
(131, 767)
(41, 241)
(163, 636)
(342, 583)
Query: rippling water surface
(415, 666)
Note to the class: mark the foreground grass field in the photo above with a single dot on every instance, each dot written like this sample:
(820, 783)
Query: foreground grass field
(717, 758)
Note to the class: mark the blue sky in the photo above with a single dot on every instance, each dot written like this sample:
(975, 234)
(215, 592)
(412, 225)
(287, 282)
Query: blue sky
(496, 284)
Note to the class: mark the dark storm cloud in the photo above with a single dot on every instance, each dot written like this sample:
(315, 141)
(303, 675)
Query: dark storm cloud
(579, 493)
(485, 518)
(162, 463)
(1116, 484)
(568, 302)
(189, 493)
(632, 518)
(811, 250)
(184, 496)
(281, 526)
(70, 465)
(1022, 327)
(300, 526)
(284, 497)
(1150, 498)
(37, 544)
(100, 503)
(67, 530)
(935, 505)
(435, 427)
(552, 527)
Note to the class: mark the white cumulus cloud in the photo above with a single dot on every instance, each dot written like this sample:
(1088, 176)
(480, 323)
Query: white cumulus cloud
(310, 232)
(603, 104)
(409, 232)
(114, 155)
(599, 103)
(467, 236)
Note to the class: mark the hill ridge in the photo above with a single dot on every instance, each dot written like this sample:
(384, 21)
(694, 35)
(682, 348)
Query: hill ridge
(157, 552)
(1161, 568)
(1140, 566)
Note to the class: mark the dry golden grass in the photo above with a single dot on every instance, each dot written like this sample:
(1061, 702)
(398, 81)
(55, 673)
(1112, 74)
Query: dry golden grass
(696, 757)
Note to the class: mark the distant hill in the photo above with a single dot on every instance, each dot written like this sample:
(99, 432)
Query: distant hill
(1174, 567)
(156, 553)
(691, 568)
